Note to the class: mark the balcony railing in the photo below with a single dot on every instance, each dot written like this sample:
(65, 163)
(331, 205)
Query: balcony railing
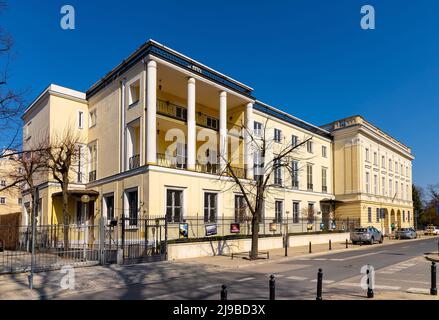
(212, 168)
(92, 176)
(171, 162)
(134, 162)
(239, 172)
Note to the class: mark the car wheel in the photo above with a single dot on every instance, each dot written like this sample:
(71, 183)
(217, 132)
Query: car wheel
(372, 240)
(382, 239)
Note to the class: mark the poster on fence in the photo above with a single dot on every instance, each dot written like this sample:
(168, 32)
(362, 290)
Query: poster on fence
(273, 226)
(211, 230)
(235, 228)
(183, 230)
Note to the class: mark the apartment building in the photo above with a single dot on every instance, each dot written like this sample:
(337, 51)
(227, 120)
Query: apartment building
(10, 197)
(373, 175)
(158, 130)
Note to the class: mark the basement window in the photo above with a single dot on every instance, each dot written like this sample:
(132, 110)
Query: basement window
(134, 93)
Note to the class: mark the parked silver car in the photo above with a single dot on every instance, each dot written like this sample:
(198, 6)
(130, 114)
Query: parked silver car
(406, 233)
(366, 235)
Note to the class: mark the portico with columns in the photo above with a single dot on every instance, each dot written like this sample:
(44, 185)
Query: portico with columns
(198, 110)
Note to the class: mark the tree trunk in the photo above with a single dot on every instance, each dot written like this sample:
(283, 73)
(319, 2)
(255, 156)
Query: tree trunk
(255, 237)
(65, 213)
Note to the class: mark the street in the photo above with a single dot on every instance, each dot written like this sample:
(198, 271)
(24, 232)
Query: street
(399, 267)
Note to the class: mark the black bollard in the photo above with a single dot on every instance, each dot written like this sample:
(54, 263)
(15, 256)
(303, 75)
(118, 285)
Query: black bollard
(346, 243)
(319, 284)
(330, 244)
(310, 251)
(272, 287)
(223, 292)
(369, 283)
(433, 289)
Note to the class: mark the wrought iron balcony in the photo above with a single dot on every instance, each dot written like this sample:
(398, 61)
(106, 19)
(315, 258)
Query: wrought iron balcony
(134, 162)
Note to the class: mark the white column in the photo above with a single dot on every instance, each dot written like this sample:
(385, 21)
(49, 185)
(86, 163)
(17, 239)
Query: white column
(223, 130)
(191, 126)
(151, 112)
(248, 152)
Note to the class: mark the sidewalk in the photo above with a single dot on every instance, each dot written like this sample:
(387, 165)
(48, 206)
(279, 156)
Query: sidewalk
(48, 284)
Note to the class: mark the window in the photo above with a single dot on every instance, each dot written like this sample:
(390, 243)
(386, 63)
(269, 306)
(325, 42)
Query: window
(258, 167)
(80, 219)
(390, 188)
(402, 170)
(375, 158)
(407, 171)
(92, 119)
(324, 180)
(210, 207)
(294, 140)
(20, 201)
(383, 162)
(402, 191)
(109, 206)
(277, 172)
(324, 152)
(211, 123)
(277, 135)
(403, 215)
(3, 183)
(133, 209)
(134, 93)
(240, 208)
(310, 146)
(2, 200)
(378, 215)
(396, 189)
(367, 154)
(309, 177)
(295, 174)
(296, 210)
(408, 216)
(174, 205)
(257, 126)
(278, 209)
(367, 182)
(369, 215)
(80, 119)
(375, 184)
(390, 164)
(93, 152)
(407, 195)
(79, 170)
(311, 212)
(396, 166)
(180, 155)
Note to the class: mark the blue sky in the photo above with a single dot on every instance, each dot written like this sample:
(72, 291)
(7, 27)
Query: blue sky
(307, 57)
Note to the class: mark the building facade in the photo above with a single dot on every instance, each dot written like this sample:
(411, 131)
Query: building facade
(157, 132)
(10, 197)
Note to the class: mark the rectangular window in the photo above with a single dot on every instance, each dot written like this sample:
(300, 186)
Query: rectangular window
(311, 212)
(278, 210)
(375, 158)
(257, 126)
(390, 189)
(369, 215)
(309, 179)
(295, 174)
(310, 146)
(3, 183)
(396, 189)
(324, 152)
(133, 207)
(324, 180)
(2, 200)
(296, 211)
(378, 215)
(277, 135)
(109, 206)
(367, 154)
(180, 155)
(383, 162)
(92, 119)
(383, 186)
(402, 170)
(367, 182)
(277, 172)
(79, 212)
(396, 166)
(92, 167)
(407, 192)
(134, 93)
(402, 191)
(390, 164)
(80, 164)
(408, 216)
(406, 171)
(210, 207)
(80, 119)
(294, 140)
(375, 184)
(403, 215)
(258, 166)
(174, 205)
(240, 209)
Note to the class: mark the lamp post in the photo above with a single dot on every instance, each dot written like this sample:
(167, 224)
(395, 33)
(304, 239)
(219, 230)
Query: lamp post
(85, 199)
(287, 236)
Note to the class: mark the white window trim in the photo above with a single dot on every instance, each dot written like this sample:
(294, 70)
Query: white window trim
(183, 211)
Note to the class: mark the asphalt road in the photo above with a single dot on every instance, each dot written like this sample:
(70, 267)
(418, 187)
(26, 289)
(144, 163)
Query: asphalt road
(398, 267)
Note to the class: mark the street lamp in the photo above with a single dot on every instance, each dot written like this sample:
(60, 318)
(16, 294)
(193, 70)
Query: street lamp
(85, 199)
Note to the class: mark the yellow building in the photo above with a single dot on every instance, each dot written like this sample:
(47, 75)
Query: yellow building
(10, 198)
(153, 127)
(372, 175)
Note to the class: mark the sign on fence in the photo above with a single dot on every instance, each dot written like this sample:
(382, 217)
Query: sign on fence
(235, 228)
(211, 230)
(183, 230)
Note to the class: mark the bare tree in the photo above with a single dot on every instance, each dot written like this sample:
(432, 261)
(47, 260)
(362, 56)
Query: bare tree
(265, 167)
(63, 153)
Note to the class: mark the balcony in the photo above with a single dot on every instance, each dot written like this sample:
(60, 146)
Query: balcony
(164, 160)
(211, 168)
(92, 176)
(134, 162)
(239, 172)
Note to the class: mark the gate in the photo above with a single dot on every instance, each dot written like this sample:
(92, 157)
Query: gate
(143, 239)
